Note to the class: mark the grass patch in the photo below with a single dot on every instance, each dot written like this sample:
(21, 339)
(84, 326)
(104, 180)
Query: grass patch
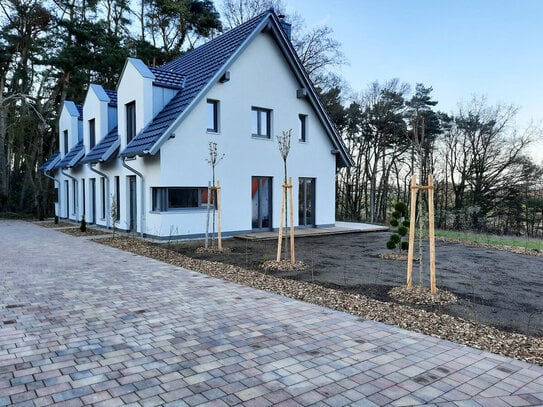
(472, 237)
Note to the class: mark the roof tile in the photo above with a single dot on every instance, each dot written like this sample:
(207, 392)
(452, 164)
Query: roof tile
(70, 159)
(103, 151)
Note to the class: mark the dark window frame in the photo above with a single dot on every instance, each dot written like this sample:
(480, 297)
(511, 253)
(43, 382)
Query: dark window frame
(103, 213)
(92, 133)
(263, 130)
(214, 104)
(130, 110)
(65, 140)
(188, 198)
(303, 128)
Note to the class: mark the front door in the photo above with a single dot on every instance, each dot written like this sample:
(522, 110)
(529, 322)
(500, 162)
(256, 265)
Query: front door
(133, 203)
(306, 202)
(261, 190)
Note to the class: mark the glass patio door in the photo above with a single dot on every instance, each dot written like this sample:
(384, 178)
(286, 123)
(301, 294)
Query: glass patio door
(261, 195)
(306, 202)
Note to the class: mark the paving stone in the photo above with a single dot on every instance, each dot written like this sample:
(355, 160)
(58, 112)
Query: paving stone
(117, 329)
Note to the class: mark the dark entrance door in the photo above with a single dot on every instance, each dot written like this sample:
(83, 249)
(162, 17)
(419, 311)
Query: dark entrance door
(306, 202)
(261, 195)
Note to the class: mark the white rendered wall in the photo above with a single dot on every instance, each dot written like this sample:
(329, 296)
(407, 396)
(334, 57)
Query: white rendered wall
(95, 109)
(260, 77)
(134, 87)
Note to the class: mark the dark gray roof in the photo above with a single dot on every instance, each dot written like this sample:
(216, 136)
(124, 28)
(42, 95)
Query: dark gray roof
(73, 156)
(50, 163)
(198, 66)
(205, 64)
(104, 150)
(112, 97)
(168, 79)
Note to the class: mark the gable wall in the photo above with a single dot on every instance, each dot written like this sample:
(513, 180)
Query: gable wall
(95, 109)
(259, 77)
(70, 123)
(134, 87)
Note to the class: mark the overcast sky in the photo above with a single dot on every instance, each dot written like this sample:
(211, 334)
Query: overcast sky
(459, 47)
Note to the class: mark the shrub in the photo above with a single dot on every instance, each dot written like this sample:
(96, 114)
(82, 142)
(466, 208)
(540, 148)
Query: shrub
(83, 225)
(399, 220)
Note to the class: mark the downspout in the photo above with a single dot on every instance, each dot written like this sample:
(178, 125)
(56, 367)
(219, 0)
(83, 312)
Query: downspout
(142, 212)
(108, 204)
(76, 203)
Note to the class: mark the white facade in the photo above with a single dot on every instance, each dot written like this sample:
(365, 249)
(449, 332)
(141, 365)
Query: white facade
(163, 195)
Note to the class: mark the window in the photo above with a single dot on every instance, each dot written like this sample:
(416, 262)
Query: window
(117, 198)
(212, 115)
(84, 196)
(92, 133)
(65, 139)
(103, 193)
(130, 121)
(74, 195)
(261, 122)
(303, 128)
(168, 199)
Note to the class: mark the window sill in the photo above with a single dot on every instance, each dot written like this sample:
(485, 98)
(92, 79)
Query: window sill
(257, 137)
(208, 131)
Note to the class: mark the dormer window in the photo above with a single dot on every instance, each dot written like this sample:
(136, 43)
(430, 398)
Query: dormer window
(92, 133)
(130, 121)
(65, 140)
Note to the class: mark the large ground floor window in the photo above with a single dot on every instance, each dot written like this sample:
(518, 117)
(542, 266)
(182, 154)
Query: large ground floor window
(174, 198)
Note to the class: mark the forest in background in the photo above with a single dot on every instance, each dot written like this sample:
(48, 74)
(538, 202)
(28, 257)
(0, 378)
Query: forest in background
(51, 50)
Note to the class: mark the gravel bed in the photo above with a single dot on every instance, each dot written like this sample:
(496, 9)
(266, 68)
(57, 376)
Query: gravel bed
(455, 329)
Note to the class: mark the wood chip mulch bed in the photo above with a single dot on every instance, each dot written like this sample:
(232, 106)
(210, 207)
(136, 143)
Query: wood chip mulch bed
(462, 331)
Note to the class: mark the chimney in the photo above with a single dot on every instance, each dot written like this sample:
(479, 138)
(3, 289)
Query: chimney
(287, 27)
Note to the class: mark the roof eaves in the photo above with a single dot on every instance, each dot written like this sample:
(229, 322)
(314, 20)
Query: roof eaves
(76, 158)
(109, 152)
(166, 134)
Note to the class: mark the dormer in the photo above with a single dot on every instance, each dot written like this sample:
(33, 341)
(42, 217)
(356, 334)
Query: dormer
(99, 115)
(134, 99)
(70, 127)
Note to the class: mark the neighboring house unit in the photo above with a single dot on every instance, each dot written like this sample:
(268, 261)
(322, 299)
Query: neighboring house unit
(143, 149)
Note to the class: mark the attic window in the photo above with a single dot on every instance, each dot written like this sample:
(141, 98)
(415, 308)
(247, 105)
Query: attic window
(303, 127)
(212, 117)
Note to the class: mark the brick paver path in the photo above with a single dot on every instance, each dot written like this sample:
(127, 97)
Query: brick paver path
(85, 324)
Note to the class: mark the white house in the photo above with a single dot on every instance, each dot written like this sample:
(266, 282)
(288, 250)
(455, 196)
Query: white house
(142, 150)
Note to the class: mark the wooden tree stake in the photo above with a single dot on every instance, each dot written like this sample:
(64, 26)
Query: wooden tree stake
(280, 238)
(219, 236)
(411, 248)
(431, 234)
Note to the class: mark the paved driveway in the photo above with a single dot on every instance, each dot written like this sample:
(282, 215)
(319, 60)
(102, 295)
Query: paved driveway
(85, 324)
